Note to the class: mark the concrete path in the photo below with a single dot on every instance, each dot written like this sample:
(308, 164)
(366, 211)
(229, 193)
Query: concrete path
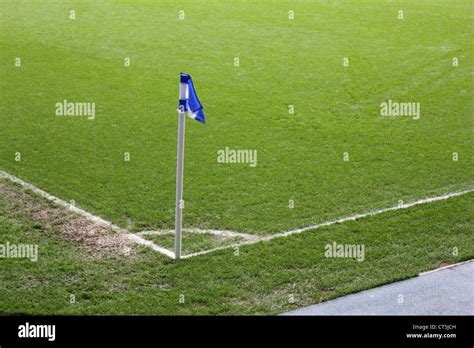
(447, 291)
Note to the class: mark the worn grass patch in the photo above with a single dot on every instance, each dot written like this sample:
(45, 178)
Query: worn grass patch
(92, 238)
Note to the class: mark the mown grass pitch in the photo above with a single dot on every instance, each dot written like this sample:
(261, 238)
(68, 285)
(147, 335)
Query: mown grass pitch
(282, 62)
(301, 177)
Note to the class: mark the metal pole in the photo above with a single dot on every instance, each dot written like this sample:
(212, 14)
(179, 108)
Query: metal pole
(179, 175)
(179, 186)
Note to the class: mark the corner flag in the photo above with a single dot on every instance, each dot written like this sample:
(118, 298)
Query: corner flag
(188, 102)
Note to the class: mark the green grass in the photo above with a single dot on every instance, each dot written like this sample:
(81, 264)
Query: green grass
(283, 62)
(398, 245)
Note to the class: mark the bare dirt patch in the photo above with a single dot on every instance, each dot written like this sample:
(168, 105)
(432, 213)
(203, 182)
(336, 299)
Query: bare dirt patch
(93, 238)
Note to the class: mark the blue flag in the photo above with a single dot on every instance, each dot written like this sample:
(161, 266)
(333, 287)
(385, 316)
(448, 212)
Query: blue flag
(190, 103)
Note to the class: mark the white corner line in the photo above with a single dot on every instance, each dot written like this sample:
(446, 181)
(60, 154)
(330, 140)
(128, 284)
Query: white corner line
(87, 215)
(223, 233)
(155, 233)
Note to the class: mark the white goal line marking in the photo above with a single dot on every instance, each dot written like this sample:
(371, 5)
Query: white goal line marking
(249, 238)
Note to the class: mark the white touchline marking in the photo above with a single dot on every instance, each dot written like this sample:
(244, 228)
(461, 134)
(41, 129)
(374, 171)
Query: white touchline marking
(249, 239)
(333, 222)
(87, 215)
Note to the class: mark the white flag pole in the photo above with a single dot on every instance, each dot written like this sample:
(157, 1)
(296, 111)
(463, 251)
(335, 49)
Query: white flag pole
(179, 173)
